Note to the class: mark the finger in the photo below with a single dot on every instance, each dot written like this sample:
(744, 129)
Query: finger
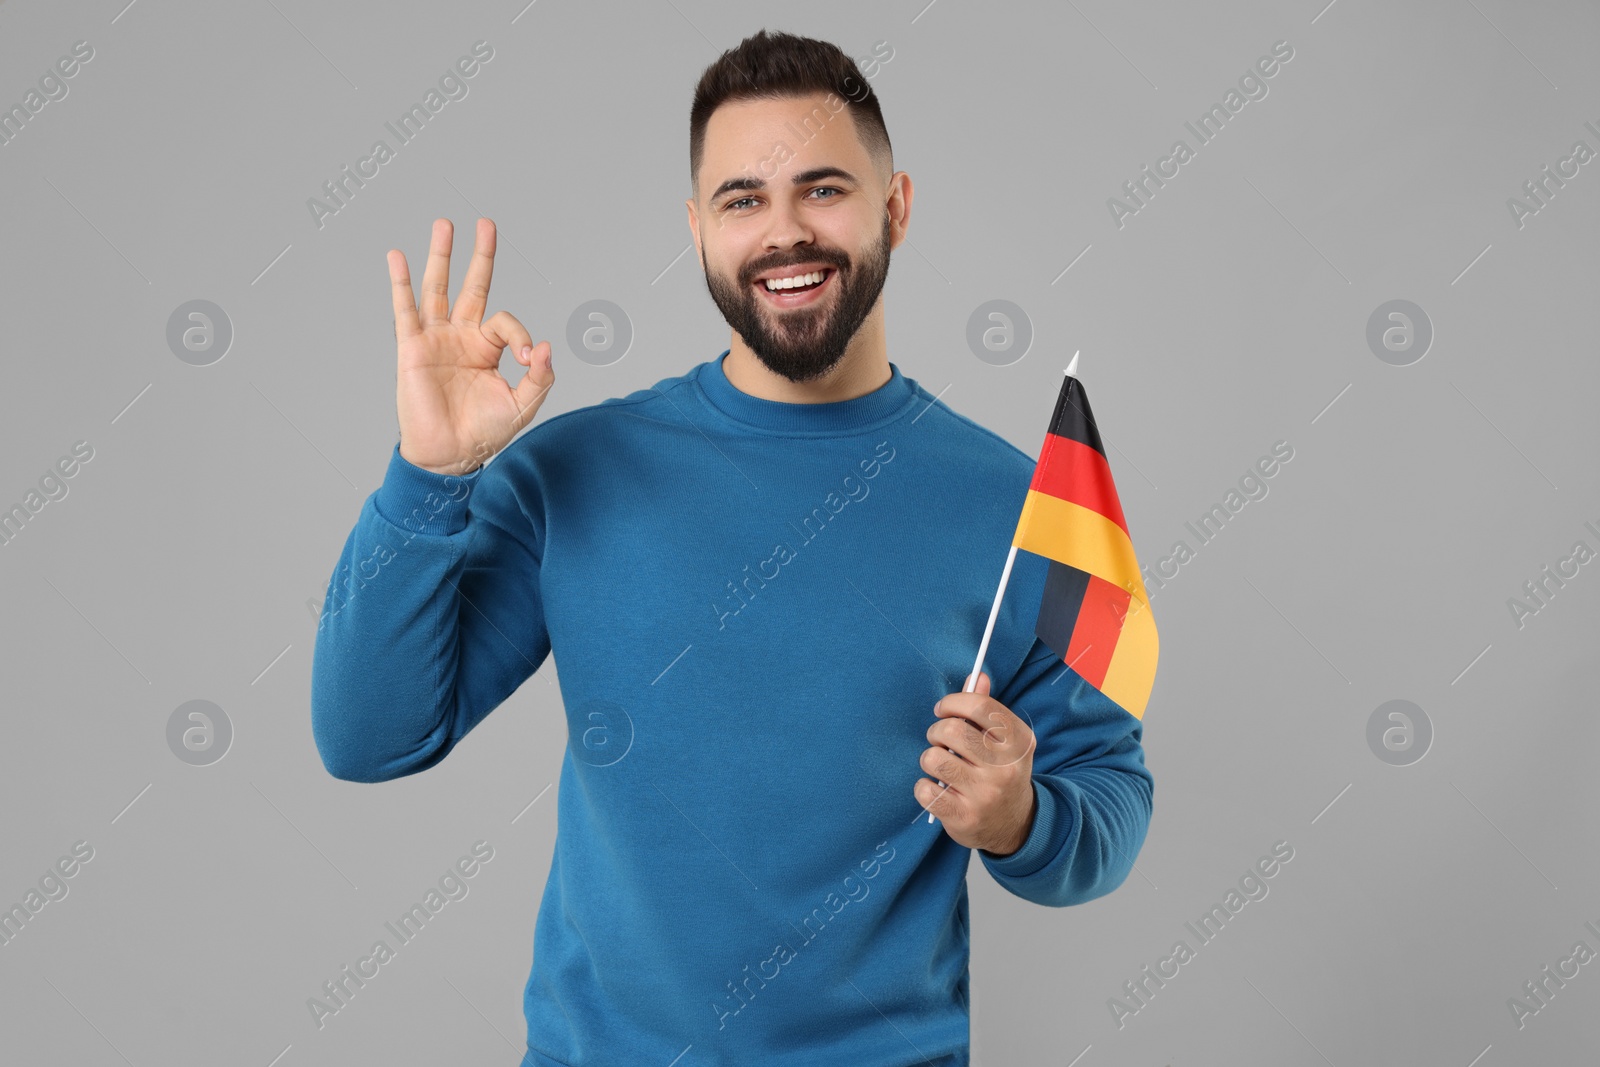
(504, 330)
(973, 707)
(998, 732)
(475, 286)
(435, 302)
(405, 307)
(945, 765)
(530, 392)
(998, 746)
(937, 800)
(989, 732)
(983, 684)
(1006, 740)
(959, 735)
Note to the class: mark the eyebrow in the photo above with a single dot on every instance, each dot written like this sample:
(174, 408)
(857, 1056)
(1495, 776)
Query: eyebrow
(805, 177)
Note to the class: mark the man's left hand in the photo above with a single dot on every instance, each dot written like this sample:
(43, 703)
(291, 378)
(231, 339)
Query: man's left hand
(987, 800)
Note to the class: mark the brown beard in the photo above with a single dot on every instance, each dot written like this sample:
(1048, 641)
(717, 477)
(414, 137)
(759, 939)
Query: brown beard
(808, 342)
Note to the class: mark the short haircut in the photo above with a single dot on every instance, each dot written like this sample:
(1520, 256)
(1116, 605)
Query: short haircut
(772, 66)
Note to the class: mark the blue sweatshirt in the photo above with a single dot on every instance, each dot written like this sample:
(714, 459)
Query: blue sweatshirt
(754, 606)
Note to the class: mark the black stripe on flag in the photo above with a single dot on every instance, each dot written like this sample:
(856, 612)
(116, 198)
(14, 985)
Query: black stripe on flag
(1073, 419)
(1064, 589)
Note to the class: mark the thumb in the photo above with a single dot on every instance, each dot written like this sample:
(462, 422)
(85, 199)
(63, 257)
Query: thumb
(535, 384)
(983, 683)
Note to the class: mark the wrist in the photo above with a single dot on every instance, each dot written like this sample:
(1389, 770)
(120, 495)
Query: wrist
(1025, 830)
(460, 468)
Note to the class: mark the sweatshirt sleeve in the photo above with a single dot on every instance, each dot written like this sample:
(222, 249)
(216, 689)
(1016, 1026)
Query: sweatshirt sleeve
(1092, 790)
(432, 617)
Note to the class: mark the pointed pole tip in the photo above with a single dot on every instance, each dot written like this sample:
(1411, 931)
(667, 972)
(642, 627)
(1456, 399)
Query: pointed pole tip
(1072, 368)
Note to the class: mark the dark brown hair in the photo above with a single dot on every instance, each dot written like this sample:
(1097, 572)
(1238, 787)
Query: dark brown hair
(771, 66)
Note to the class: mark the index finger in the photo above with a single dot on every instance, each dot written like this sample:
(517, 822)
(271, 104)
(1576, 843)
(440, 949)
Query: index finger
(979, 709)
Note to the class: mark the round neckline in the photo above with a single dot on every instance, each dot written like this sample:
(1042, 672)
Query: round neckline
(829, 419)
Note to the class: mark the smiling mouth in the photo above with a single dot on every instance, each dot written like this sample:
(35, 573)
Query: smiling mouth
(800, 296)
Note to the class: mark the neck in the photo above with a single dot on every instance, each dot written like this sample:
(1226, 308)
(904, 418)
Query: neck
(864, 368)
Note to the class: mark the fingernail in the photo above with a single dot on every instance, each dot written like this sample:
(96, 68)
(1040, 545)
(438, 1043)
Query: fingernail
(527, 350)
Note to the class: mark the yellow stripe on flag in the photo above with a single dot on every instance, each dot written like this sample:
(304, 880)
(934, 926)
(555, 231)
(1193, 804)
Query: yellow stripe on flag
(1081, 538)
(1132, 671)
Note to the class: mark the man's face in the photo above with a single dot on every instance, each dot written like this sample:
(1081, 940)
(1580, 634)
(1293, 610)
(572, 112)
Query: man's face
(835, 222)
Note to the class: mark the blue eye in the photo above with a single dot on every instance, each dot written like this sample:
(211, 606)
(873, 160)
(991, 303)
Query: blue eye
(733, 205)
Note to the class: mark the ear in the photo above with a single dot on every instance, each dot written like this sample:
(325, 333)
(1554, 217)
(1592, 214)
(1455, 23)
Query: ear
(694, 225)
(899, 207)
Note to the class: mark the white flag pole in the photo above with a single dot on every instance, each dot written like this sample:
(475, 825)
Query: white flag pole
(994, 610)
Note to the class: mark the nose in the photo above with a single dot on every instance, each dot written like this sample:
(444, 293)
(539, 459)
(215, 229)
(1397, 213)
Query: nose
(786, 227)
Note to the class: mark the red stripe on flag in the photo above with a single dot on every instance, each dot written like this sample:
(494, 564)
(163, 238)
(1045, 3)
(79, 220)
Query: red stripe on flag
(1071, 470)
(1099, 626)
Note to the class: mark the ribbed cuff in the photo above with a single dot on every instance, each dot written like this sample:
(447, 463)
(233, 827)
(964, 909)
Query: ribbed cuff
(423, 501)
(1036, 850)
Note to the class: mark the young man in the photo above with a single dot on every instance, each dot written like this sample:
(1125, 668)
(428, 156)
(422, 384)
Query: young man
(759, 577)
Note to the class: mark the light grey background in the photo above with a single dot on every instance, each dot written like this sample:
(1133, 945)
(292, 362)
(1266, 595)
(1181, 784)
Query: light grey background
(1228, 314)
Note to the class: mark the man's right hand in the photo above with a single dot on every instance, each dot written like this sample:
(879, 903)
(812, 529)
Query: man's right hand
(455, 408)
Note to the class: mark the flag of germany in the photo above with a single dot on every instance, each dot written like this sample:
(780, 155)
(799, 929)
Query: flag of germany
(1094, 613)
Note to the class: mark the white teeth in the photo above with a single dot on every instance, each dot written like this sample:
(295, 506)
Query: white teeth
(774, 284)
